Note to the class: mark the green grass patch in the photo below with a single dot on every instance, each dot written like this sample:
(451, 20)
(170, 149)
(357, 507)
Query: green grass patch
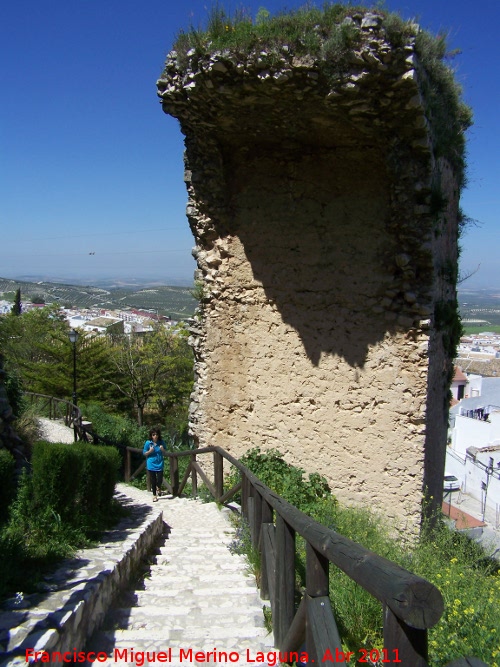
(470, 329)
(304, 30)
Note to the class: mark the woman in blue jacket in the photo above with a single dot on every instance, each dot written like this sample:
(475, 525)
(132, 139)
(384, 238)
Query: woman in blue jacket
(154, 449)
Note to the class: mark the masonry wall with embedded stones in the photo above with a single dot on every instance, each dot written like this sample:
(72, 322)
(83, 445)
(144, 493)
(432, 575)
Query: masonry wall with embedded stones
(322, 262)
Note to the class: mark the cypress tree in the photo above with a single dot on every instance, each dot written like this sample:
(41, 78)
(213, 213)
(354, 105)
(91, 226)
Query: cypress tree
(16, 308)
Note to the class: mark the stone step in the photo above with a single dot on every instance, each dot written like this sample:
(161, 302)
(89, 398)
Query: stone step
(196, 555)
(223, 576)
(213, 597)
(138, 617)
(196, 594)
(190, 637)
(170, 589)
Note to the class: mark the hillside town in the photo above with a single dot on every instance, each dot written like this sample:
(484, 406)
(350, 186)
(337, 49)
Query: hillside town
(100, 320)
(114, 321)
(479, 354)
(484, 345)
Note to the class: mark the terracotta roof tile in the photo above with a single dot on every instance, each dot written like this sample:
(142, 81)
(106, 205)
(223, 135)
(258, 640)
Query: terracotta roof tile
(459, 376)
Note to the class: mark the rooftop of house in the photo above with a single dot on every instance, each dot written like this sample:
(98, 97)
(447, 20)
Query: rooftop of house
(490, 395)
(459, 375)
(102, 321)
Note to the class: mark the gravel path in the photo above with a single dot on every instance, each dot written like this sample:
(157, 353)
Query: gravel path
(55, 431)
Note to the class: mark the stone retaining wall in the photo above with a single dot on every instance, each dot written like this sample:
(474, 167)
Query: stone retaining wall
(79, 593)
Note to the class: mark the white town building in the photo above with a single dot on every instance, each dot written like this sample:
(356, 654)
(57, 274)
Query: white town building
(473, 452)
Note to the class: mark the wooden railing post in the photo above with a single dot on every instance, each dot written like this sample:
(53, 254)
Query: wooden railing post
(218, 475)
(194, 477)
(174, 475)
(245, 491)
(403, 643)
(267, 519)
(316, 573)
(320, 636)
(267, 512)
(284, 607)
(257, 519)
(128, 465)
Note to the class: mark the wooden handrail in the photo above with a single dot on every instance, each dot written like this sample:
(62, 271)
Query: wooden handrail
(411, 598)
(411, 604)
(60, 408)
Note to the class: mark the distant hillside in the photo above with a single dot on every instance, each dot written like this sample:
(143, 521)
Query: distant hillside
(480, 309)
(175, 302)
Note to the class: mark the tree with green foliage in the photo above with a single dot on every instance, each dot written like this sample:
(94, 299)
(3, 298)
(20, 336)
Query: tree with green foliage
(125, 374)
(154, 368)
(135, 373)
(36, 348)
(17, 308)
(38, 352)
(14, 389)
(7, 483)
(177, 384)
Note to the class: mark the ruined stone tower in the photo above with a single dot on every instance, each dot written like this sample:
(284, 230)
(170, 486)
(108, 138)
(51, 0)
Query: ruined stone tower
(323, 195)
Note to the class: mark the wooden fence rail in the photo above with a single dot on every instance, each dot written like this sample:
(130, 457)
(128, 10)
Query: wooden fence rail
(411, 605)
(58, 408)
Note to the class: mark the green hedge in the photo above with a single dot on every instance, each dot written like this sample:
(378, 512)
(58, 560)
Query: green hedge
(75, 481)
(64, 503)
(7, 483)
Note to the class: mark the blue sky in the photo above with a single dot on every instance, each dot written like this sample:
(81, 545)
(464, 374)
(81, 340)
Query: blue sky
(91, 168)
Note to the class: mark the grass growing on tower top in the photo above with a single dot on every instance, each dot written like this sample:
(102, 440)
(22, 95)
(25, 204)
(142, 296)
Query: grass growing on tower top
(330, 35)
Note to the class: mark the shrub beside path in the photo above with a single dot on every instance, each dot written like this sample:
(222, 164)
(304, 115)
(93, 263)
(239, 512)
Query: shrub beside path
(197, 596)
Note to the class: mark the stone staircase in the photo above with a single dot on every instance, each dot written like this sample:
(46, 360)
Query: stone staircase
(197, 597)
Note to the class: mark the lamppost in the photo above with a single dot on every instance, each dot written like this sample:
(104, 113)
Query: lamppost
(73, 337)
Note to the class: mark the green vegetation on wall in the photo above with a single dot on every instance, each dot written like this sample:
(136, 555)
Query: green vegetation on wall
(331, 35)
(305, 30)
(447, 321)
(286, 480)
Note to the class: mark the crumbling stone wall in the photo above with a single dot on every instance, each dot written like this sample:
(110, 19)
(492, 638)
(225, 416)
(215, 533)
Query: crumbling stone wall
(322, 254)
